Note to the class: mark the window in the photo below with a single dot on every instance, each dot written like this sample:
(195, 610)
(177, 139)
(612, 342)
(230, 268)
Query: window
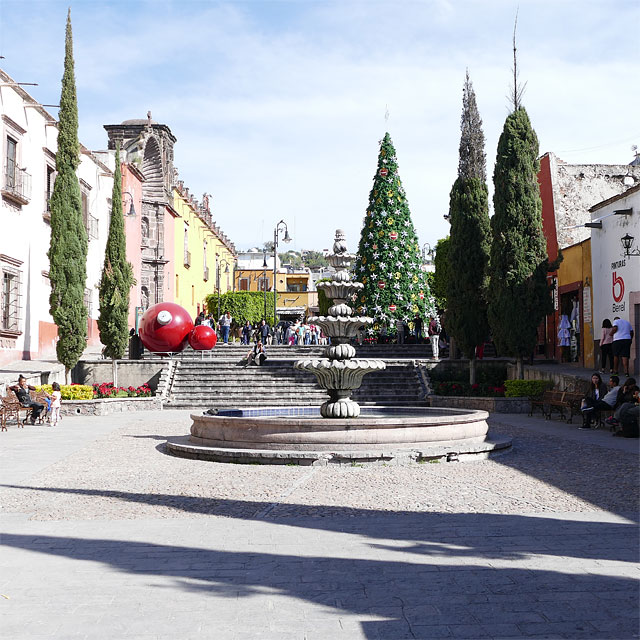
(243, 284)
(144, 228)
(193, 294)
(11, 162)
(85, 209)
(50, 180)
(10, 295)
(88, 302)
(263, 284)
(187, 254)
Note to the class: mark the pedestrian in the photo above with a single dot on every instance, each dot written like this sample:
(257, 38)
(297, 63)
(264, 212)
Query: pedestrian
(622, 338)
(24, 398)
(257, 355)
(264, 331)
(417, 326)
(400, 331)
(434, 337)
(225, 326)
(246, 332)
(56, 403)
(606, 340)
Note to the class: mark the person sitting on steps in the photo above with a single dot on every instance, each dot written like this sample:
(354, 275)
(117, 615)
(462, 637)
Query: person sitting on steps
(257, 355)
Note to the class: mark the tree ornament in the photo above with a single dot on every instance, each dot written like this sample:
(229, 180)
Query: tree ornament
(375, 247)
(390, 221)
(393, 235)
(398, 275)
(384, 172)
(381, 284)
(421, 294)
(392, 307)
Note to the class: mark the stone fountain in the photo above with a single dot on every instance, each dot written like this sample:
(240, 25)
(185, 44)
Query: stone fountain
(339, 372)
(339, 431)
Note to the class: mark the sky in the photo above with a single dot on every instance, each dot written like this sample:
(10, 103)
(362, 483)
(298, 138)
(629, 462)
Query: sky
(279, 105)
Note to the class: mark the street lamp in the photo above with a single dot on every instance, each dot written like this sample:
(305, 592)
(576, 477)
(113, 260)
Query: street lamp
(264, 282)
(428, 254)
(627, 243)
(219, 262)
(132, 209)
(282, 225)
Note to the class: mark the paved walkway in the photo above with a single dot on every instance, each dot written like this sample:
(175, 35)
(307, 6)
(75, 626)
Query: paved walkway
(105, 536)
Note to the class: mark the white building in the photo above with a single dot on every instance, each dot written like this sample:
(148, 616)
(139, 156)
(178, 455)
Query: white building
(616, 276)
(29, 142)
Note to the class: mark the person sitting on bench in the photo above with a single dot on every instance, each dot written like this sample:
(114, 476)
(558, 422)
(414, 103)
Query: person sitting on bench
(22, 393)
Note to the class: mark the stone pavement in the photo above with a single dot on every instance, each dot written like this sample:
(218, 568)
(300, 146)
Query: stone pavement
(104, 536)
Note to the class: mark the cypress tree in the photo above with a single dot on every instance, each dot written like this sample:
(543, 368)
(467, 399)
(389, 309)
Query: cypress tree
(116, 280)
(466, 317)
(520, 295)
(389, 260)
(68, 247)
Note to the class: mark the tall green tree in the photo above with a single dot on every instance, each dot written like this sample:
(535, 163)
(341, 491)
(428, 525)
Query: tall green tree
(470, 238)
(389, 259)
(440, 277)
(68, 247)
(116, 280)
(520, 295)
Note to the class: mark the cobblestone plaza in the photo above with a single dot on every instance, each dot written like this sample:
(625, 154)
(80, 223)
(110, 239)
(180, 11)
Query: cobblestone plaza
(106, 536)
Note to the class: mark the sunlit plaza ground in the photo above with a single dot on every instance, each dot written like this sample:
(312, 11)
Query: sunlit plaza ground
(106, 536)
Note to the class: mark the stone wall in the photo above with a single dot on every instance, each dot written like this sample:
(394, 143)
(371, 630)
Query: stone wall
(130, 372)
(561, 381)
(107, 406)
(492, 405)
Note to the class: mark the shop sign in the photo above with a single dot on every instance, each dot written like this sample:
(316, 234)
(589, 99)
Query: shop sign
(587, 316)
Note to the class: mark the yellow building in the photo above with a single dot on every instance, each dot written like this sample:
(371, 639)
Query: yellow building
(575, 300)
(255, 273)
(204, 258)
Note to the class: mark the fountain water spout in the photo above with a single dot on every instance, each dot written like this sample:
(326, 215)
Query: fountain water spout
(339, 372)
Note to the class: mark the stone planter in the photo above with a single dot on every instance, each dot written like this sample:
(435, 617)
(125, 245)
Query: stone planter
(107, 406)
(492, 405)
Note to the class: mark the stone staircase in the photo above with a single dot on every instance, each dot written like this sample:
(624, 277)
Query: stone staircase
(215, 380)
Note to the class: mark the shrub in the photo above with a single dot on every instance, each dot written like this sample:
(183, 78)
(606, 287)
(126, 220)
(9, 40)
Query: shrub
(526, 388)
(70, 391)
(479, 389)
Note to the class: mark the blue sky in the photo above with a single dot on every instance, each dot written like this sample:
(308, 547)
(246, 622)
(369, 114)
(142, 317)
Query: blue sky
(278, 105)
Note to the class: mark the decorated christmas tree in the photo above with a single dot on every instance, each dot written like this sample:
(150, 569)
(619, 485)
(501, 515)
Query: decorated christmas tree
(389, 261)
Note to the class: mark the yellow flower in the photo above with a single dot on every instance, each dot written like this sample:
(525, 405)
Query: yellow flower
(398, 275)
(390, 220)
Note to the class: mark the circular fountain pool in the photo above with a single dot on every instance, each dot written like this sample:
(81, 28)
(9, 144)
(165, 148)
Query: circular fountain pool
(300, 435)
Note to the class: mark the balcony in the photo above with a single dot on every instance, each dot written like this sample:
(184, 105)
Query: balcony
(16, 186)
(187, 258)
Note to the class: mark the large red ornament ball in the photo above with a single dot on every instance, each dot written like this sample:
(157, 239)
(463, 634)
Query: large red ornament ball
(165, 328)
(202, 338)
(392, 307)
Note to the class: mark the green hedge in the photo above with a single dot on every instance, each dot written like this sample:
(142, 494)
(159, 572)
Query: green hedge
(526, 388)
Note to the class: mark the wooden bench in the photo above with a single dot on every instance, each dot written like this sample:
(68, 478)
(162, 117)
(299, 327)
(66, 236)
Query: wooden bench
(561, 401)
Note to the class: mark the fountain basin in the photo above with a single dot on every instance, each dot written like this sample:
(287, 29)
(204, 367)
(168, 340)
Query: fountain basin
(300, 435)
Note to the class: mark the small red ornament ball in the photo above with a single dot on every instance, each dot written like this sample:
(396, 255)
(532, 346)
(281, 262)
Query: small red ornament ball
(384, 172)
(392, 307)
(202, 338)
(421, 294)
(381, 284)
(393, 235)
(165, 328)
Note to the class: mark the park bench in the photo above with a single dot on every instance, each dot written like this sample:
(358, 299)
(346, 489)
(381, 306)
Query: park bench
(12, 409)
(561, 401)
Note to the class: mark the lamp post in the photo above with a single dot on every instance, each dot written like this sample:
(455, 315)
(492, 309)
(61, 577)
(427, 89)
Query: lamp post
(132, 209)
(281, 226)
(264, 282)
(219, 263)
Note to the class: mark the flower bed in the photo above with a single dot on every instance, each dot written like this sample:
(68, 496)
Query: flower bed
(492, 405)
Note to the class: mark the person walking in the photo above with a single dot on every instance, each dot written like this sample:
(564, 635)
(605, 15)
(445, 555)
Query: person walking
(417, 326)
(24, 398)
(606, 340)
(264, 332)
(622, 338)
(225, 326)
(246, 332)
(434, 337)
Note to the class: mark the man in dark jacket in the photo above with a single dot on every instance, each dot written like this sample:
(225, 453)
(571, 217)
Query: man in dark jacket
(22, 393)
